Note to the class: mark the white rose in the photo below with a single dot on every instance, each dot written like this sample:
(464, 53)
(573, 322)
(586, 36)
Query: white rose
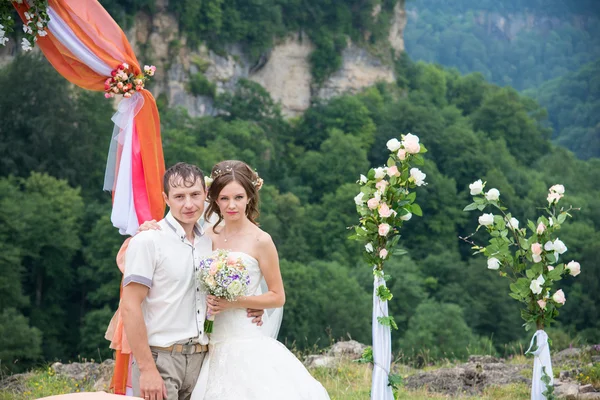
(560, 189)
(417, 176)
(476, 187)
(536, 285)
(406, 217)
(540, 228)
(486, 219)
(549, 246)
(559, 246)
(393, 144)
(550, 221)
(492, 194)
(363, 179)
(536, 258)
(359, 199)
(411, 143)
(574, 268)
(493, 263)
(553, 197)
(235, 288)
(369, 247)
(379, 173)
(513, 223)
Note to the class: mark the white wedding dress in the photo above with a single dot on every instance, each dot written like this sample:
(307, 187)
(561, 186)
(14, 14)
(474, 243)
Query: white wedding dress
(245, 364)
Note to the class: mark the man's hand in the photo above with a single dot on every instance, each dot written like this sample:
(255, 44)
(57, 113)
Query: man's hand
(256, 316)
(152, 386)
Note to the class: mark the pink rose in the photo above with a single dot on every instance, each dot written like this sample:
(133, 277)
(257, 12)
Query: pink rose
(138, 88)
(381, 185)
(120, 85)
(402, 154)
(540, 228)
(127, 95)
(107, 95)
(559, 297)
(383, 253)
(384, 210)
(550, 267)
(542, 304)
(213, 269)
(536, 249)
(231, 260)
(373, 203)
(393, 171)
(384, 229)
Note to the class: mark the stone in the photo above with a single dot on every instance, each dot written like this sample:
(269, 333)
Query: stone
(589, 396)
(396, 34)
(349, 349)
(316, 361)
(596, 359)
(566, 390)
(469, 378)
(586, 389)
(566, 354)
(100, 374)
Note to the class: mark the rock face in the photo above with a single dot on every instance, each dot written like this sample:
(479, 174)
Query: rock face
(359, 70)
(396, 35)
(349, 350)
(99, 374)
(470, 378)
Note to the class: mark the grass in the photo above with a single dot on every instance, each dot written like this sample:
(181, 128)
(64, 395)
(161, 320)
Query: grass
(44, 383)
(349, 381)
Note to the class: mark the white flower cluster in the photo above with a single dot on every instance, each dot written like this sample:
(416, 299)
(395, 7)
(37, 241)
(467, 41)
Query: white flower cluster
(3, 38)
(34, 26)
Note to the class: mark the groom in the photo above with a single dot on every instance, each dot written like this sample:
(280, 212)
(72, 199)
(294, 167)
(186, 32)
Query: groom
(163, 307)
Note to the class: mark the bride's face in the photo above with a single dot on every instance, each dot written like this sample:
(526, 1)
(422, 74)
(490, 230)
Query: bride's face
(232, 201)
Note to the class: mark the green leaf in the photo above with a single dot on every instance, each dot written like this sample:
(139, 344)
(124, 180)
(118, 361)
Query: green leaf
(395, 381)
(411, 196)
(472, 206)
(399, 252)
(387, 321)
(561, 217)
(515, 296)
(423, 149)
(384, 293)
(416, 210)
(391, 162)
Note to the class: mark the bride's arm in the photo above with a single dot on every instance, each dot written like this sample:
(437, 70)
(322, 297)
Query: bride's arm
(269, 265)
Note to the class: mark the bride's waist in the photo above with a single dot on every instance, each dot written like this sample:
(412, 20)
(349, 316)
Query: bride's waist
(233, 323)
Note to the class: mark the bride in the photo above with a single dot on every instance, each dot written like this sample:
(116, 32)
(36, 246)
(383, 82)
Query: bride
(243, 362)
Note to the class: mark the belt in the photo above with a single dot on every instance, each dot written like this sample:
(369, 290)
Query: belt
(185, 349)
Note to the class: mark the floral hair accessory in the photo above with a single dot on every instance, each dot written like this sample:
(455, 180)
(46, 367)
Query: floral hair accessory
(208, 181)
(124, 82)
(258, 183)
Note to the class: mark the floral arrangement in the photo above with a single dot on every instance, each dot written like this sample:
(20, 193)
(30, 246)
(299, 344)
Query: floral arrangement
(529, 256)
(222, 275)
(385, 202)
(125, 82)
(36, 21)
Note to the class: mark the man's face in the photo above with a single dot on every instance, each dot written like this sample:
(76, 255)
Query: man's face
(186, 203)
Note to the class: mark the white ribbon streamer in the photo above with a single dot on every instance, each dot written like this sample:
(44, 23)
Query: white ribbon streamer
(541, 360)
(382, 348)
(123, 214)
(67, 38)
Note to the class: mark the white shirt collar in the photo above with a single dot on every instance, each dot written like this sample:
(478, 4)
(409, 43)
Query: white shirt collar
(178, 229)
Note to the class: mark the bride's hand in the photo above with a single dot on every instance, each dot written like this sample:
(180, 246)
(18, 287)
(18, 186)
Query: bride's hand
(218, 304)
(149, 226)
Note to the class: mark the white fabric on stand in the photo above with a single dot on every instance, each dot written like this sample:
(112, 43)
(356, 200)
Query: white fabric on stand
(541, 359)
(123, 214)
(67, 38)
(382, 348)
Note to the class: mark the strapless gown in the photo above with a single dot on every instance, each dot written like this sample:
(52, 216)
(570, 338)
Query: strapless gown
(245, 364)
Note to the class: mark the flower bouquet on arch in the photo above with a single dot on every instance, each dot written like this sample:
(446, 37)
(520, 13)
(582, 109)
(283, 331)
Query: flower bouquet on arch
(531, 258)
(222, 275)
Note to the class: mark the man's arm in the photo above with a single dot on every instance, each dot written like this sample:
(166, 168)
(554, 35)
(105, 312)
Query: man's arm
(152, 386)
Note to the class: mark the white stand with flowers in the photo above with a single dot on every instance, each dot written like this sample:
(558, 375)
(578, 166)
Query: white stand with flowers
(531, 260)
(384, 204)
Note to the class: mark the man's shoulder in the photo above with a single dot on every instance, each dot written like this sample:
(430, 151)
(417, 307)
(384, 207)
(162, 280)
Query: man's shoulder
(151, 236)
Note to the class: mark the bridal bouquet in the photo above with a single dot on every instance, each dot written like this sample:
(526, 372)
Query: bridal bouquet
(222, 275)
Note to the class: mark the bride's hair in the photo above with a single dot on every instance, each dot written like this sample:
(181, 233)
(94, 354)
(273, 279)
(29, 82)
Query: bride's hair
(229, 171)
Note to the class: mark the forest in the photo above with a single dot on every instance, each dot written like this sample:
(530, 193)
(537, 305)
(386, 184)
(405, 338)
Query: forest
(59, 284)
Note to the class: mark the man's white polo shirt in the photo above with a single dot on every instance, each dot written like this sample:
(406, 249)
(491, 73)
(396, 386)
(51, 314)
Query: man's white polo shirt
(165, 261)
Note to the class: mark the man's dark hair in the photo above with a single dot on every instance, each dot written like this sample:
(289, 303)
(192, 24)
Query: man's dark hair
(188, 173)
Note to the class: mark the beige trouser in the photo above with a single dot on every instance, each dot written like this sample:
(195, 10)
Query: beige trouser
(179, 371)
